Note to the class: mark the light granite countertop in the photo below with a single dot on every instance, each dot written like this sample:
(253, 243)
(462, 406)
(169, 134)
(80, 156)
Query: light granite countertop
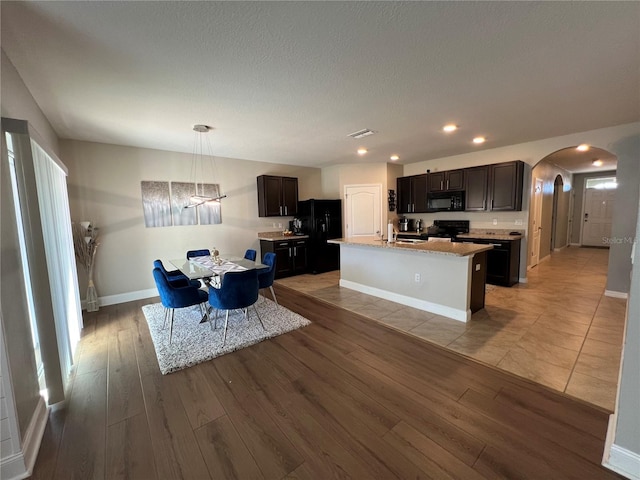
(439, 248)
(484, 234)
(278, 236)
(490, 236)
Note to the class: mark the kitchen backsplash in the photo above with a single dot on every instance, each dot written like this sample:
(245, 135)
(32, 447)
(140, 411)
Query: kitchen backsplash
(509, 221)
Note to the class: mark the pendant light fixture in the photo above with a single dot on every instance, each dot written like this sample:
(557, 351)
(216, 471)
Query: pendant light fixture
(198, 167)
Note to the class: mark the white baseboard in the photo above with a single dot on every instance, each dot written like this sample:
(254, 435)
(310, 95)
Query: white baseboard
(454, 313)
(623, 461)
(560, 249)
(523, 280)
(575, 244)
(20, 465)
(124, 297)
(614, 294)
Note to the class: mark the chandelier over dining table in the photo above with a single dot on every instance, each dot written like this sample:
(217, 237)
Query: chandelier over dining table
(198, 164)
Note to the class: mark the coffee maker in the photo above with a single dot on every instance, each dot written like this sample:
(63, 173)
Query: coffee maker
(295, 226)
(405, 224)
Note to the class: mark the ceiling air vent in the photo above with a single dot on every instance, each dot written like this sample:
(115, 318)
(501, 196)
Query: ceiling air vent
(361, 133)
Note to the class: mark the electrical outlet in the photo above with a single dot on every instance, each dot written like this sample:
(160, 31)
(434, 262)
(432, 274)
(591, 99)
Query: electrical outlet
(274, 225)
(417, 278)
(519, 221)
(279, 225)
(495, 221)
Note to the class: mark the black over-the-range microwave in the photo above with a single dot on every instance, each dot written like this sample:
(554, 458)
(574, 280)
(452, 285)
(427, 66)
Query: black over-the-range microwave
(445, 201)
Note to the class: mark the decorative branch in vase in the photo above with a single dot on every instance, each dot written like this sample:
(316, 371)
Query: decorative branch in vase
(85, 244)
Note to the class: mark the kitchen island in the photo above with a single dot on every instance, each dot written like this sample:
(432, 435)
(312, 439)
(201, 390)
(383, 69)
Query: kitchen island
(439, 277)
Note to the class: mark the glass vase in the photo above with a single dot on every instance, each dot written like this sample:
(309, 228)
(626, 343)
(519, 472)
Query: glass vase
(92, 295)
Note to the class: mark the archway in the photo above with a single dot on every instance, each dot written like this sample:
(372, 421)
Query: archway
(561, 176)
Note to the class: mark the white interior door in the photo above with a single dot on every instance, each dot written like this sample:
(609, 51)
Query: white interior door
(537, 221)
(598, 212)
(363, 215)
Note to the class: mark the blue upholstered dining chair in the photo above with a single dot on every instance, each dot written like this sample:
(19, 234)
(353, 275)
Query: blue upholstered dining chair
(250, 254)
(177, 297)
(238, 290)
(198, 253)
(176, 277)
(266, 275)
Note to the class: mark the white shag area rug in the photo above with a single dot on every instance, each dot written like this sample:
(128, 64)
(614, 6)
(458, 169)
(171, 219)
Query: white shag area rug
(194, 342)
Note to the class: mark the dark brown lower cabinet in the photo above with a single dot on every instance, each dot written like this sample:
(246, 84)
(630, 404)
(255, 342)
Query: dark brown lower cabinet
(503, 260)
(291, 255)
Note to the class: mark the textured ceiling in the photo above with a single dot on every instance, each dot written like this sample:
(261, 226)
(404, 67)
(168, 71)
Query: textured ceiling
(287, 81)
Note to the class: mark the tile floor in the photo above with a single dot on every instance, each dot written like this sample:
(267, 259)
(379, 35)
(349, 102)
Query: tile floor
(558, 329)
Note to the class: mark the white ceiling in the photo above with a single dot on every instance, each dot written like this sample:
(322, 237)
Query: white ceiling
(286, 82)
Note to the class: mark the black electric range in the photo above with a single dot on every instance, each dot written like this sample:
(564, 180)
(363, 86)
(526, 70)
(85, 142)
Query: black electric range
(448, 228)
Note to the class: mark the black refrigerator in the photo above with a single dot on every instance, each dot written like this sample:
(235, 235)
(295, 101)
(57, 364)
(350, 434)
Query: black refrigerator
(322, 221)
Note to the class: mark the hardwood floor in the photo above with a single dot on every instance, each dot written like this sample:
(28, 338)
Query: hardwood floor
(342, 398)
(559, 329)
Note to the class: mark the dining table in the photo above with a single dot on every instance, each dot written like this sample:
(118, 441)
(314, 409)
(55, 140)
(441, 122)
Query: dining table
(207, 267)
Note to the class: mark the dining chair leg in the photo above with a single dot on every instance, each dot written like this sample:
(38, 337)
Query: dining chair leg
(205, 315)
(171, 325)
(256, 310)
(273, 294)
(226, 324)
(166, 314)
(214, 325)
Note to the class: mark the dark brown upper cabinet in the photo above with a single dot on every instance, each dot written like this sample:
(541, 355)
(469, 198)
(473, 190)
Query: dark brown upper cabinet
(494, 188)
(505, 186)
(412, 194)
(476, 184)
(447, 181)
(277, 196)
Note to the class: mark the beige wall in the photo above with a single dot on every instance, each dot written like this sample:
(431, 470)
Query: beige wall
(336, 177)
(627, 434)
(393, 172)
(18, 103)
(104, 187)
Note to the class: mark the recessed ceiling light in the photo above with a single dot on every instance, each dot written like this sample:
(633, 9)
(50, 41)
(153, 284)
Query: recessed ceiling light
(394, 158)
(450, 127)
(479, 140)
(582, 147)
(597, 163)
(362, 151)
